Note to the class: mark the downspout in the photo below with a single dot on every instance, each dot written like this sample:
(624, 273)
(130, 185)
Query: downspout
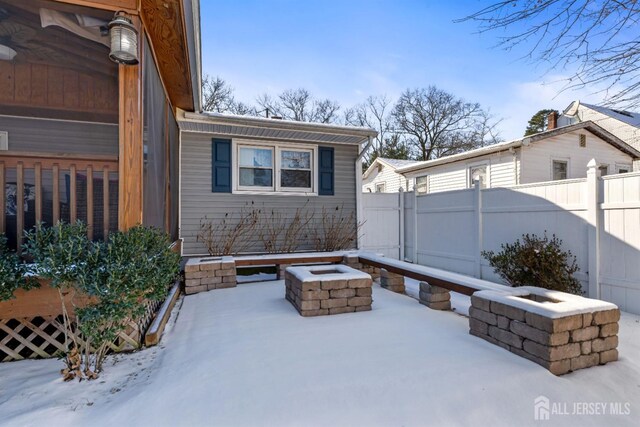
(358, 167)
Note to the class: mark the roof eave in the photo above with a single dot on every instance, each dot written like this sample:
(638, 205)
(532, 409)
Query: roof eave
(216, 118)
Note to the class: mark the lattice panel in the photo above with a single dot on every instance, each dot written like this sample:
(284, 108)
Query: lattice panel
(40, 337)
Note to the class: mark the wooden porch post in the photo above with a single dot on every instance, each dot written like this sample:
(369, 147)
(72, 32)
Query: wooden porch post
(130, 199)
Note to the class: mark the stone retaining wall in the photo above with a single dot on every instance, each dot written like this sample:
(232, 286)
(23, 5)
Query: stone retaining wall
(560, 344)
(327, 294)
(352, 261)
(205, 274)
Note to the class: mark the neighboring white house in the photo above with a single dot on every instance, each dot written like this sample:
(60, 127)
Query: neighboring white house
(623, 124)
(561, 153)
(381, 176)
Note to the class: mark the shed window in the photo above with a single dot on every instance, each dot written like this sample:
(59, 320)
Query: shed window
(380, 188)
(559, 169)
(623, 168)
(275, 168)
(478, 173)
(421, 184)
(604, 170)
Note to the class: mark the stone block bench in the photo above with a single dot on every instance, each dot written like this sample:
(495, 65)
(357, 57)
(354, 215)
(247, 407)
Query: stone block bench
(207, 273)
(559, 331)
(328, 289)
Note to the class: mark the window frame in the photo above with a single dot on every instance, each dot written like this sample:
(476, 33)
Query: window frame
(487, 171)
(237, 168)
(276, 187)
(312, 169)
(384, 187)
(627, 167)
(426, 184)
(565, 160)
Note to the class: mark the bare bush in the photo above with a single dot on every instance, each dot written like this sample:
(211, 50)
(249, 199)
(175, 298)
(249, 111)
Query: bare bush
(279, 234)
(229, 235)
(337, 230)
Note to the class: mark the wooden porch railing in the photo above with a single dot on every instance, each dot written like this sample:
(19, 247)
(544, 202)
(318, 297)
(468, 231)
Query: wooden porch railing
(68, 164)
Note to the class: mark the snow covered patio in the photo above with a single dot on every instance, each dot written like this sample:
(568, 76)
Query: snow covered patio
(244, 356)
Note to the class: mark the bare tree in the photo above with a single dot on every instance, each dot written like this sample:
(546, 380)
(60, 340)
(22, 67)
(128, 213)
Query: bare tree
(299, 105)
(598, 39)
(374, 113)
(217, 95)
(436, 122)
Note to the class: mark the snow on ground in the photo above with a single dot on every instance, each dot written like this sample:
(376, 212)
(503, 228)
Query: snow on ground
(243, 356)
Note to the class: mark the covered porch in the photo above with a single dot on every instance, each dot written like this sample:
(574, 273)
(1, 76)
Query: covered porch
(83, 138)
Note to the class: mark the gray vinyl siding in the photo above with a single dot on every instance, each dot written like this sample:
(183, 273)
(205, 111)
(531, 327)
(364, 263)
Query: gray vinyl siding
(198, 201)
(59, 136)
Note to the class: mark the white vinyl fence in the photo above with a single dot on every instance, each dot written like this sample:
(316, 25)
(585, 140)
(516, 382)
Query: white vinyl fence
(598, 220)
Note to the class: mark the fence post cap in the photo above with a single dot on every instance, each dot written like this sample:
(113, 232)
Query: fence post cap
(592, 164)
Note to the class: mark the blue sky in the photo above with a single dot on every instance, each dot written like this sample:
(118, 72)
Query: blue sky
(350, 49)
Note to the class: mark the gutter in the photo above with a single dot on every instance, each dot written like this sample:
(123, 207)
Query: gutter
(262, 122)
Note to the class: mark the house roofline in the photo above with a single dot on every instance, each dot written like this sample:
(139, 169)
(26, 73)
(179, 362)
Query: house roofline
(505, 146)
(378, 160)
(324, 128)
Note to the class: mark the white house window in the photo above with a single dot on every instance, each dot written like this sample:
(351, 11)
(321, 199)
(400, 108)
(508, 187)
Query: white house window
(421, 184)
(623, 168)
(271, 167)
(380, 188)
(256, 167)
(478, 173)
(559, 169)
(604, 170)
(295, 168)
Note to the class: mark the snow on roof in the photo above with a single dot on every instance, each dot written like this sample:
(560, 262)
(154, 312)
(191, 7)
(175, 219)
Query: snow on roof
(397, 163)
(392, 163)
(627, 117)
(506, 145)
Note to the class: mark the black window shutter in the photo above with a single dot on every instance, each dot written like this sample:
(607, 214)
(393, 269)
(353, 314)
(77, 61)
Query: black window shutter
(326, 174)
(221, 165)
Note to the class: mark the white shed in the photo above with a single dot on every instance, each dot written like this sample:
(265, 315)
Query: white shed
(381, 176)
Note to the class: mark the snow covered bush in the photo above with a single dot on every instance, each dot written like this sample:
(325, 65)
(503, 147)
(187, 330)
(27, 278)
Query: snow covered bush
(536, 261)
(115, 279)
(130, 269)
(12, 272)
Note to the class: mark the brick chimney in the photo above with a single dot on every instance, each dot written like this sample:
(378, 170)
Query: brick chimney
(552, 120)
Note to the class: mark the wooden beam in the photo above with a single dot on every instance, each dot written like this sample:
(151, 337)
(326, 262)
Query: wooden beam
(129, 6)
(105, 201)
(73, 199)
(38, 201)
(19, 204)
(90, 202)
(56, 193)
(2, 201)
(164, 24)
(130, 199)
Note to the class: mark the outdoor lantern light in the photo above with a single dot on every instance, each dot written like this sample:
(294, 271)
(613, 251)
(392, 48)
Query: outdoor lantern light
(124, 40)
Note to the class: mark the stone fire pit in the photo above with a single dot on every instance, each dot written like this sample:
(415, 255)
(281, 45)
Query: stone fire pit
(328, 289)
(559, 331)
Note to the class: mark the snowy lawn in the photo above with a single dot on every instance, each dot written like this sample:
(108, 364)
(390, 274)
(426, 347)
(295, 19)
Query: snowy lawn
(243, 356)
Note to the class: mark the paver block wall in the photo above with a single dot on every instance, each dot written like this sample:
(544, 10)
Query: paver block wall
(205, 274)
(586, 336)
(345, 291)
(352, 261)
